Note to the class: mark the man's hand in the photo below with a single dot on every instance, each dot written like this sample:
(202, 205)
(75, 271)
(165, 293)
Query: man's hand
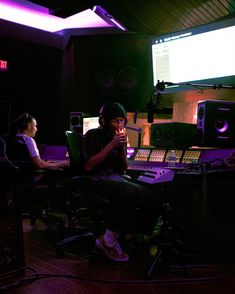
(118, 140)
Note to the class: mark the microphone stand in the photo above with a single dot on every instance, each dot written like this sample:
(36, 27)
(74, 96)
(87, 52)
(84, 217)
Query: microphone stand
(161, 85)
(153, 104)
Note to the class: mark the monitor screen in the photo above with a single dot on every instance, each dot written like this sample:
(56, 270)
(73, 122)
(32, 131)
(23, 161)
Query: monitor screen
(90, 123)
(200, 54)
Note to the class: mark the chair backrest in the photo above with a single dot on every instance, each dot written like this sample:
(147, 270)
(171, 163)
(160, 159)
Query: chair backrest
(17, 152)
(74, 145)
(8, 170)
(17, 149)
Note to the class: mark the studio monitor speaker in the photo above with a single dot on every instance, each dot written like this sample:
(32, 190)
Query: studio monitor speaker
(216, 123)
(75, 121)
(111, 68)
(176, 134)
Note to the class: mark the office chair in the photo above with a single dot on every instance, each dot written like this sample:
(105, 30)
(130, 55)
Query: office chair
(32, 187)
(83, 205)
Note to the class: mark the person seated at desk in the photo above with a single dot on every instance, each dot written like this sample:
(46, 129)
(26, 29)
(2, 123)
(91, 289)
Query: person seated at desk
(26, 127)
(105, 164)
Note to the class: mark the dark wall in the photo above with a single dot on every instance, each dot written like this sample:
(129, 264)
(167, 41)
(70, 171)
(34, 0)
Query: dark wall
(32, 84)
(49, 83)
(105, 68)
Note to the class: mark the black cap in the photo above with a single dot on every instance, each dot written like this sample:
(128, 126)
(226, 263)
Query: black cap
(112, 110)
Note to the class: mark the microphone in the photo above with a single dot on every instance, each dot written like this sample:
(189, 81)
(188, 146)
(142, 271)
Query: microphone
(150, 111)
(160, 86)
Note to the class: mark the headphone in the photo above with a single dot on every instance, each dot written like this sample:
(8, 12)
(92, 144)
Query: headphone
(101, 118)
(109, 111)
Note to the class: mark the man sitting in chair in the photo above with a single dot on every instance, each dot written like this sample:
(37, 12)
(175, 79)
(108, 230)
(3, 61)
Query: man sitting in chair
(105, 163)
(28, 158)
(26, 127)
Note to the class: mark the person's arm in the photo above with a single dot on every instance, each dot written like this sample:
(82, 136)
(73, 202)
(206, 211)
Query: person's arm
(42, 164)
(38, 162)
(97, 158)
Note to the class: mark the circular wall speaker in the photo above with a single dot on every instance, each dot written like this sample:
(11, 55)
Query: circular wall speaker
(128, 78)
(105, 78)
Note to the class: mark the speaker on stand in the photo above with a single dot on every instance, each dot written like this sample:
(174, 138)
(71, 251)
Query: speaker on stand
(76, 122)
(175, 134)
(216, 123)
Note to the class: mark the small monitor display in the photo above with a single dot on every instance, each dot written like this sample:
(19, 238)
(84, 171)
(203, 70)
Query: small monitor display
(90, 123)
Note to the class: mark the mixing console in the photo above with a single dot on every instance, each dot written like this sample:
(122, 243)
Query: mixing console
(141, 159)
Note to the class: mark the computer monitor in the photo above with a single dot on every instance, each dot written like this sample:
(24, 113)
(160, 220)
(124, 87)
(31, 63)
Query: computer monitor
(91, 122)
(202, 54)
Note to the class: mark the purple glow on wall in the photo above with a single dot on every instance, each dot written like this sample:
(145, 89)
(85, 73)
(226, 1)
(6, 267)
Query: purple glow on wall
(25, 13)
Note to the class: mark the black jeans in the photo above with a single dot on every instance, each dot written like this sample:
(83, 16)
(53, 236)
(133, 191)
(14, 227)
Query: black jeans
(132, 206)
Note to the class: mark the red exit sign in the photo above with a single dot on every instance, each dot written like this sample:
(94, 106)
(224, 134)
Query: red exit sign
(3, 65)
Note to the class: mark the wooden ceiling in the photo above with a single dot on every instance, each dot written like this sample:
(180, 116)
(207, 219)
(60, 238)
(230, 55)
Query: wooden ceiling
(152, 17)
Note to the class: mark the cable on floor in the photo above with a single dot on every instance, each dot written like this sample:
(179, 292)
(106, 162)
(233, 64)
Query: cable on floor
(222, 273)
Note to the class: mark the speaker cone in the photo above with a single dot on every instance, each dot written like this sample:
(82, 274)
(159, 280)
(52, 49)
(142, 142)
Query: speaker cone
(105, 78)
(75, 120)
(128, 78)
(221, 124)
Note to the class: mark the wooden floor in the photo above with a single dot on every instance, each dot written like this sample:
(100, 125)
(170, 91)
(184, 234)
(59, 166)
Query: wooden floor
(82, 270)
